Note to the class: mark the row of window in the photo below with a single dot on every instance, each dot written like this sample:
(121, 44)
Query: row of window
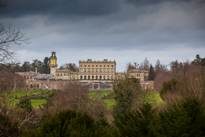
(136, 75)
(96, 65)
(96, 70)
(96, 77)
(63, 74)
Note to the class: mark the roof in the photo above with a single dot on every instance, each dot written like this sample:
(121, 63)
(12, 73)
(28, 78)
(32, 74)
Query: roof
(26, 74)
(46, 76)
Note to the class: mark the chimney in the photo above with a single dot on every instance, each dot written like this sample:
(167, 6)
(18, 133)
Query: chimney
(36, 71)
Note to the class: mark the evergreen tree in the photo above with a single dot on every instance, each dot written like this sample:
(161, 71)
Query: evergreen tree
(126, 91)
(136, 122)
(25, 103)
(151, 75)
(46, 68)
(185, 118)
(26, 66)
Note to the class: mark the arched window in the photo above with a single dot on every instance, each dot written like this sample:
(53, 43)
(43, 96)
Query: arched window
(81, 77)
(84, 77)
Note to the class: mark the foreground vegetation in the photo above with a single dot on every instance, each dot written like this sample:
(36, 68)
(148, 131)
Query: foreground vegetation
(177, 109)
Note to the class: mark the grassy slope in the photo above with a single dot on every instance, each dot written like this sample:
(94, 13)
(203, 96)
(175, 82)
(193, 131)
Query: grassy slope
(152, 97)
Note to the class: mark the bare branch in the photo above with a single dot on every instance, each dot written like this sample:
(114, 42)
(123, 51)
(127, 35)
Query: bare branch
(10, 37)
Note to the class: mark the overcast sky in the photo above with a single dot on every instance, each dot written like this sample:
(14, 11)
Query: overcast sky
(121, 30)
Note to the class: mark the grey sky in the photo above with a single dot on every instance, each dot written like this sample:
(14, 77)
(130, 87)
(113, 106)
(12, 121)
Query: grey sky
(121, 30)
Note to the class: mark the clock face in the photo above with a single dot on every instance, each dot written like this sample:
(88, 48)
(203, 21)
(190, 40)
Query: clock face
(53, 62)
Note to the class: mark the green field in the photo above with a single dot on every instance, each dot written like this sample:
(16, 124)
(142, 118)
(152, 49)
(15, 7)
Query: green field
(100, 92)
(152, 97)
(37, 102)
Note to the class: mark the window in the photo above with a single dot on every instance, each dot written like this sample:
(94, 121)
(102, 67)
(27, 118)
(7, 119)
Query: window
(81, 65)
(104, 69)
(85, 70)
(100, 77)
(100, 70)
(108, 70)
(84, 65)
(112, 70)
(107, 77)
(96, 77)
(84, 77)
(81, 70)
(107, 65)
(100, 65)
(103, 77)
(88, 77)
(88, 65)
(137, 75)
(61, 74)
(92, 77)
(93, 70)
(81, 77)
(96, 70)
(112, 65)
(92, 65)
(88, 70)
(96, 65)
(104, 65)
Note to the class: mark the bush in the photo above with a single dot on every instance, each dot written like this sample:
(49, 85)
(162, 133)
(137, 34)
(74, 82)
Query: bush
(127, 93)
(25, 103)
(169, 87)
(185, 118)
(75, 96)
(8, 128)
(71, 123)
(136, 122)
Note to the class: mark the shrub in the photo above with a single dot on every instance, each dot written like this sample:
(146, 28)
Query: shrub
(8, 128)
(169, 86)
(25, 103)
(184, 118)
(135, 122)
(71, 123)
(127, 93)
(75, 96)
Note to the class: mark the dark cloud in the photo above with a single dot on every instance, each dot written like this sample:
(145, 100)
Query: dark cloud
(151, 2)
(17, 8)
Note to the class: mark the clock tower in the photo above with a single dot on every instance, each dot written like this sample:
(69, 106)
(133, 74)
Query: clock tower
(53, 63)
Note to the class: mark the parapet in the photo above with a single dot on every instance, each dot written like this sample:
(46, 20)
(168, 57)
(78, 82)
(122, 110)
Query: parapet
(90, 60)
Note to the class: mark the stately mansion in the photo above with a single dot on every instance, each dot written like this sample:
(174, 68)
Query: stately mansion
(93, 70)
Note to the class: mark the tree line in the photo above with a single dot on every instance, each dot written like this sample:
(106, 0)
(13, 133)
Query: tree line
(174, 66)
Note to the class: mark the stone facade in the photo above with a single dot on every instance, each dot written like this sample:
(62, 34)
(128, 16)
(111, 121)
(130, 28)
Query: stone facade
(97, 69)
(94, 70)
(141, 75)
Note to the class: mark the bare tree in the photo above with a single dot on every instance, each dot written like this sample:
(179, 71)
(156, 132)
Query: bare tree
(130, 66)
(70, 66)
(9, 36)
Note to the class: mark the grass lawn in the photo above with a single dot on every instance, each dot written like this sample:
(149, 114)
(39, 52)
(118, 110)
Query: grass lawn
(101, 92)
(37, 102)
(154, 98)
(20, 93)
(110, 102)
